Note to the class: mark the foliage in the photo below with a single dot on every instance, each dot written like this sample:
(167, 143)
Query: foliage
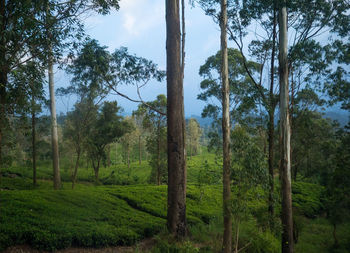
(154, 120)
(308, 199)
(193, 134)
(241, 90)
(107, 127)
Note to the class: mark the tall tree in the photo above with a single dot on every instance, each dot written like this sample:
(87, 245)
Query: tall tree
(285, 162)
(176, 217)
(226, 130)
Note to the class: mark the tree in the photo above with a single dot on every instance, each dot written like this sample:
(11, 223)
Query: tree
(26, 40)
(176, 217)
(128, 140)
(138, 117)
(28, 81)
(193, 135)
(155, 123)
(285, 160)
(338, 201)
(76, 128)
(248, 170)
(312, 60)
(106, 129)
(226, 130)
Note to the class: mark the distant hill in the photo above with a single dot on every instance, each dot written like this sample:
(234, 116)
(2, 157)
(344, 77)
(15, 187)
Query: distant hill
(342, 117)
(203, 122)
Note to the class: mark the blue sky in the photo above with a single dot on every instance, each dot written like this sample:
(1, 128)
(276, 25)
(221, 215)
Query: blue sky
(139, 25)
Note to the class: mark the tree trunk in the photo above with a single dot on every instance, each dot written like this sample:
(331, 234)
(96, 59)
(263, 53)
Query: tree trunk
(158, 156)
(108, 151)
(176, 216)
(3, 77)
(227, 240)
(191, 148)
(271, 141)
(33, 139)
(54, 134)
(96, 169)
(75, 173)
(3, 82)
(237, 237)
(140, 152)
(336, 242)
(128, 154)
(285, 163)
(271, 124)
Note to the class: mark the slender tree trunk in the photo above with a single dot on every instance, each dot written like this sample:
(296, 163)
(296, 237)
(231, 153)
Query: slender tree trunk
(271, 165)
(108, 151)
(75, 173)
(237, 237)
(285, 163)
(158, 156)
(96, 169)
(336, 242)
(33, 139)
(140, 151)
(128, 154)
(191, 146)
(176, 217)
(3, 82)
(295, 173)
(3, 76)
(271, 124)
(54, 133)
(227, 240)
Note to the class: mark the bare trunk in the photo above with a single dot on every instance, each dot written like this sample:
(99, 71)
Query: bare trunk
(176, 217)
(128, 154)
(158, 156)
(54, 133)
(3, 82)
(140, 151)
(108, 151)
(3, 77)
(96, 169)
(336, 242)
(227, 240)
(271, 163)
(271, 124)
(237, 237)
(33, 140)
(285, 163)
(190, 147)
(75, 173)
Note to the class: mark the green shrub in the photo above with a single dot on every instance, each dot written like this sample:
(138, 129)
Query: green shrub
(307, 198)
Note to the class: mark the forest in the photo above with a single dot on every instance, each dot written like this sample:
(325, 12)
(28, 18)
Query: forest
(265, 168)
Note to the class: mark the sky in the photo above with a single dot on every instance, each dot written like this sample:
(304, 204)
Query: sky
(139, 25)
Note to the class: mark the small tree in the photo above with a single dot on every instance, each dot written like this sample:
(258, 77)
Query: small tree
(248, 172)
(156, 142)
(107, 128)
(193, 135)
(76, 128)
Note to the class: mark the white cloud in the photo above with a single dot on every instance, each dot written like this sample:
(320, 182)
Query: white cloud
(140, 16)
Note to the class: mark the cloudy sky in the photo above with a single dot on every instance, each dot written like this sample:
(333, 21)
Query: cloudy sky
(139, 25)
